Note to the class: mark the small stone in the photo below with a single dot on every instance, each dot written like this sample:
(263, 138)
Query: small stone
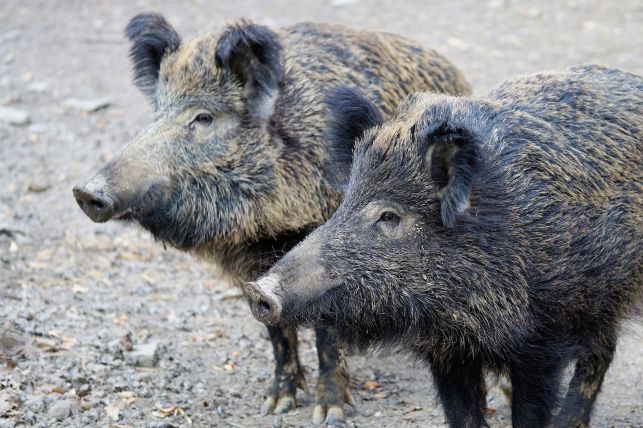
(38, 186)
(83, 390)
(278, 422)
(145, 355)
(36, 404)
(88, 105)
(7, 423)
(60, 410)
(14, 116)
(339, 3)
(37, 87)
(12, 337)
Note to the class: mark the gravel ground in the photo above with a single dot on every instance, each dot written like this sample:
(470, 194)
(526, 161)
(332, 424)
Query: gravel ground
(100, 326)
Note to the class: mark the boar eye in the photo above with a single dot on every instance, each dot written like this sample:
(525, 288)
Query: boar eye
(389, 217)
(203, 119)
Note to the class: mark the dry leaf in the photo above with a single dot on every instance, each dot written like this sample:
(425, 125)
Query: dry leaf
(112, 411)
(219, 334)
(79, 289)
(37, 265)
(167, 411)
(47, 345)
(489, 411)
(370, 385)
(121, 319)
(128, 396)
(58, 390)
(231, 293)
(172, 411)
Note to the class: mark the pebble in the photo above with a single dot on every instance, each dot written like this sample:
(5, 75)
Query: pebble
(7, 423)
(14, 116)
(339, 3)
(145, 355)
(38, 87)
(277, 422)
(88, 105)
(83, 390)
(36, 404)
(60, 410)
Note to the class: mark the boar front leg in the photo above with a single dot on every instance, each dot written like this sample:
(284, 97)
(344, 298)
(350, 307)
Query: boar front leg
(289, 375)
(332, 386)
(461, 388)
(535, 381)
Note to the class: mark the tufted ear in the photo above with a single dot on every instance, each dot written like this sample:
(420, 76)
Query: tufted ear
(152, 37)
(252, 53)
(453, 157)
(351, 115)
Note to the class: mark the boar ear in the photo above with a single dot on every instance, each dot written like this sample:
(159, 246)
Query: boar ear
(252, 53)
(453, 157)
(152, 37)
(351, 115)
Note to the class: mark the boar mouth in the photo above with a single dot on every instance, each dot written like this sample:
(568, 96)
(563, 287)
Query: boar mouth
(322, 310)
(102, 205)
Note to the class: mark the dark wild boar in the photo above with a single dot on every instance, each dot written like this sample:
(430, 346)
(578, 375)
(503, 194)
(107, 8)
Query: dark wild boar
(231, 167)
(483, 235)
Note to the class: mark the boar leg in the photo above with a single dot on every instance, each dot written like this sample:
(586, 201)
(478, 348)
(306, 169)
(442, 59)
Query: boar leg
(461, 388)
(586, 383)
(289, 375)
(535, 383)
(332, 386)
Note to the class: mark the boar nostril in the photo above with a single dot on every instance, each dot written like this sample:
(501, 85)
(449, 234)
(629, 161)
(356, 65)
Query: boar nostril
(98, 206)
(265, 308)
(265, 305)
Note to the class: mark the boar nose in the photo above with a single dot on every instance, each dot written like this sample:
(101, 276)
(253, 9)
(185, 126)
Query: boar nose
(97, 204)
(265, 304)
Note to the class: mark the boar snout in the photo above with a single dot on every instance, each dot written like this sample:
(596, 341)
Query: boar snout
(265, 304)
(98, 204)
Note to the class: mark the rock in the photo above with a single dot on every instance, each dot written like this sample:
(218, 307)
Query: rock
(60, 410)
(12, 341)
(339, 3)
(7, 423)
(29, 417)
(35, 404)
(145, 355)
(14, 116)
(38, 87)
(88, 105)
(277, 422)
(38, 186)
(83, 390)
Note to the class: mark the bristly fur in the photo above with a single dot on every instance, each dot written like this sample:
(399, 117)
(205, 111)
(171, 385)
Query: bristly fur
(152, 38)
(540, 267)
(350, 116)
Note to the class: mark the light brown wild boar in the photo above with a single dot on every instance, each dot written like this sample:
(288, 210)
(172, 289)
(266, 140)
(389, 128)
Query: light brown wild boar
(232, 168)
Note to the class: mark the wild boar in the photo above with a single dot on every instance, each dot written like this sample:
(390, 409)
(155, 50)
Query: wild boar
(231, 168)
(500, 234)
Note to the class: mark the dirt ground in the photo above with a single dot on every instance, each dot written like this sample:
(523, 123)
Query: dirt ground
(75, 297)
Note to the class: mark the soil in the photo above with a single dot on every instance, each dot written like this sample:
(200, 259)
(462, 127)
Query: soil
(101, 326)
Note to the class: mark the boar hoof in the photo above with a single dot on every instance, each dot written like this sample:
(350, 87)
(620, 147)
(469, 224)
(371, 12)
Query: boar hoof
(285, 404)
(276, 405)
(331, 415)
(281, 396)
